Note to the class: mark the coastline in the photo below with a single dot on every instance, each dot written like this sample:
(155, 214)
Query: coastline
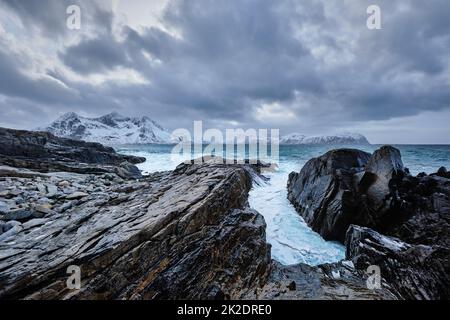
(154, 237)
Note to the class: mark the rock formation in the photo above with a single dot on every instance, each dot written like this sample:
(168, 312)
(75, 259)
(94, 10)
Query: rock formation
(190, 234)
(323, 191)
(43, 152)
(407, 229)
(414, 271)
(181, 234)
(172, 235)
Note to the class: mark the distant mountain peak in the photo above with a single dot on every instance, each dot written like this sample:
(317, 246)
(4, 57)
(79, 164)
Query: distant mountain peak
(338, 139)
(110, 129)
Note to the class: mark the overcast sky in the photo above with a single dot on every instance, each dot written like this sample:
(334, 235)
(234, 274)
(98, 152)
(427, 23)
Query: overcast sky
(304, 66)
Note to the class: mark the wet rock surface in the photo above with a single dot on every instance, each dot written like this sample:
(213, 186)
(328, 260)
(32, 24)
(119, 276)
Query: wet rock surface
(44, 152)
(337, 281)
(414, 271)
(189, 233)
(407, 229)
(323, 191)
(181, 234)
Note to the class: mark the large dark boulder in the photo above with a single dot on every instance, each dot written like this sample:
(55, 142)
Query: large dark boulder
(324, 191)
(345, 187)
(376, 190)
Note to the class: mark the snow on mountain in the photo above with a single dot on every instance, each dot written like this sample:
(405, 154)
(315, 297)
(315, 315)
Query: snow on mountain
(111, 129)
(340, 139)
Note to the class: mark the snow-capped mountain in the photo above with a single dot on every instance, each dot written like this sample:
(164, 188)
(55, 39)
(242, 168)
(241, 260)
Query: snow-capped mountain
(111, 129)
(339, 139)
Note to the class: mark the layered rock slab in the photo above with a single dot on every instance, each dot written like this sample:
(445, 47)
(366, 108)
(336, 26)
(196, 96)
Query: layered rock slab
(183, 234)
(44, 152)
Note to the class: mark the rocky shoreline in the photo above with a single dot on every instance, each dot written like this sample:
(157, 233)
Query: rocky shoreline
(190, 233)
(384, 215)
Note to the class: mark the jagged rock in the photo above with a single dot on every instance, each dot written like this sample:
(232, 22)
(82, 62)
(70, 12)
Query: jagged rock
(420, 211)
(442, 172)
(414, 271)
(181, 234)
(346, 187)
(44, 152)
(323, 191)
(384, 167)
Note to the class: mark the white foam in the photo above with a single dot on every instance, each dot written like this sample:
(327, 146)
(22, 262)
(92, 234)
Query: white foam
(291, 239)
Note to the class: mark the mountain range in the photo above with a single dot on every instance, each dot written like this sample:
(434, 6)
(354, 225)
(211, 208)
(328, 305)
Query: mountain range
(339, 139)
(116, 129)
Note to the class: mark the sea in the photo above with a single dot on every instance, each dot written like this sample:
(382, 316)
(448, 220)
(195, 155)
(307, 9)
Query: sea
(291, 239)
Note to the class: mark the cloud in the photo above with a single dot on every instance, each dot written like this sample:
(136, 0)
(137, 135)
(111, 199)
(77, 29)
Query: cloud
(250, 62)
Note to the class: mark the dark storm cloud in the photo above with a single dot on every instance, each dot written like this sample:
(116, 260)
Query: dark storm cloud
(94, 55)
(226, 58)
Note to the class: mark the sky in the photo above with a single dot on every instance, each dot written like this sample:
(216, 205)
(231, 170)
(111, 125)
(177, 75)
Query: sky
(306, 66)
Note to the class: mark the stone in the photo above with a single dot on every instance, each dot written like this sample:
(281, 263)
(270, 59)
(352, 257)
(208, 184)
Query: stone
(5, 194)
(18, 215)
(52, 190)
(77, 195)
(19, 200)
(10, 224)
(317, 283)
(4, 207)
(43, 200)
(42, 210)
(442, 172)
(10, 231)
(64, 184)
(66, 206)
(34, 223)
(41, 188)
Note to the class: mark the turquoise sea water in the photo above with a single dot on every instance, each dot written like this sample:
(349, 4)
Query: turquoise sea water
(291, 239)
